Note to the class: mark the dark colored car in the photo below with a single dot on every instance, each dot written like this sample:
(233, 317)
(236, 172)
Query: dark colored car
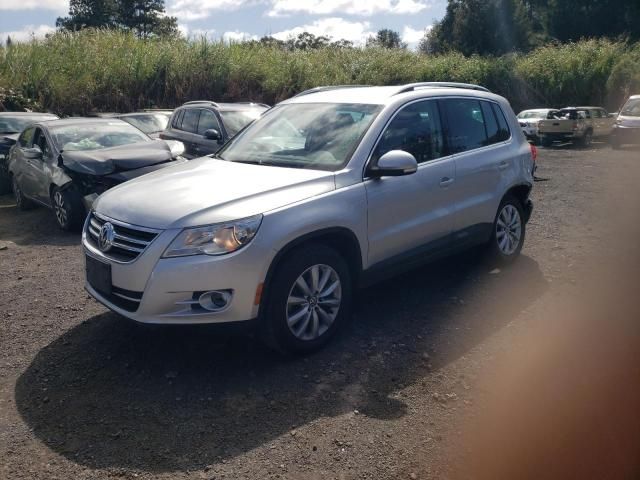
(626, 130)
(153, 123)
(203, 126)
(11, 124)
(66, 164)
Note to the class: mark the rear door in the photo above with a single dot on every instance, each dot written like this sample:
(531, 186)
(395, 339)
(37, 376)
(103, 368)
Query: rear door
(412, 213)
(477, 131)
(183, 128)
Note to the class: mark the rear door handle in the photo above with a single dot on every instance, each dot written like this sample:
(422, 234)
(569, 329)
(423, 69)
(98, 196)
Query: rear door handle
(446, 181)
(503, 165)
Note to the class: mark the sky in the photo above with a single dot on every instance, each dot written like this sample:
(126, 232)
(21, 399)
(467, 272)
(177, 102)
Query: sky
(353, 20)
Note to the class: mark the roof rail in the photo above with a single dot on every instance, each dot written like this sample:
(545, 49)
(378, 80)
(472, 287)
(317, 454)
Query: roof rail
(196, 102)
(413, 86)
(327, 88)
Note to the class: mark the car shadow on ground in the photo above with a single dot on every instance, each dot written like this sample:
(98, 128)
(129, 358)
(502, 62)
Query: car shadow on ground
(31, 227)
(113, 394)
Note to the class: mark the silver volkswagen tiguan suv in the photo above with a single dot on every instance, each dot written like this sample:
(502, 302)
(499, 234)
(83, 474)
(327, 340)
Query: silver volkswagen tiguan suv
(328, 191)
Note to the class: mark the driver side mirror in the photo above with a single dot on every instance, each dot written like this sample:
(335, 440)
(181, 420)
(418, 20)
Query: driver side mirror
(213, 134)
(33, 153)
(395, 163)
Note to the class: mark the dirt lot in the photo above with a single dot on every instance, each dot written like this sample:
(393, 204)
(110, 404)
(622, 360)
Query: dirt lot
(85, 394)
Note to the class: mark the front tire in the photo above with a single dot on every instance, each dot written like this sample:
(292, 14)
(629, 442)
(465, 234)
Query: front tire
(586, 140)
(309, 300)
(68, 209)
(509, 229)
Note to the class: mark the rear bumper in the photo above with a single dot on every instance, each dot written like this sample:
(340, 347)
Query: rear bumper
(559, 137)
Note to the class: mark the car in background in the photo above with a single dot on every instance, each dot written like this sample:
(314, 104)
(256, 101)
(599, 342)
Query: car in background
(330, 190)
(150, 122)
(528, 120)
(579, 125)
(627, 126)
(11, 124)
(204, 126)
(66, 164)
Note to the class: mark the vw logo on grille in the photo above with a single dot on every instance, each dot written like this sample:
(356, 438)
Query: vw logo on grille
(107, 235)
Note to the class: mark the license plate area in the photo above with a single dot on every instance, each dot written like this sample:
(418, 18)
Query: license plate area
(98, 275)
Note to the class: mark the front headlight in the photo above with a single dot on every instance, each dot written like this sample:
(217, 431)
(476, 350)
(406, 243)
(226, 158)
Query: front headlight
(216, 239)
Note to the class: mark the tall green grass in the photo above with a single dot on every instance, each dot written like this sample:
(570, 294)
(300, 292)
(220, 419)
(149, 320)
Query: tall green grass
(74, 73)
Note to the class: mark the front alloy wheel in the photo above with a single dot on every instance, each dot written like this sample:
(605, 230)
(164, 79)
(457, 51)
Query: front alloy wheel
(314, 302)
(60, 209)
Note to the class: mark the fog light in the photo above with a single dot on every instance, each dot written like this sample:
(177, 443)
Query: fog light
(215, 301)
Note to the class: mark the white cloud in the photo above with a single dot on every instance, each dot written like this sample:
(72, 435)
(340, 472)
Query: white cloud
(413, 36)
(197, 33)
(237, 36)
(334, 28)
(350, 7)
(28, 32)
(57, 5)
(190, 10)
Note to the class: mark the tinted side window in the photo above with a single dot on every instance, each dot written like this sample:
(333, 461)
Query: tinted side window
(416, 129)
(493, 131)
(466, 124)
(190, 120)
(597, 114)
(26, 137)
(503, 133)
(208, 120)
(40, 140)
(177, 119)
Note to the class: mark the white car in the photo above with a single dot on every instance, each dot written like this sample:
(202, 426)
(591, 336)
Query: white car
(330, 190)
(528, 120)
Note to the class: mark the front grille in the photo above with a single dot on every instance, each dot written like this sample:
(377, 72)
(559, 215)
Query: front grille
(129, 241)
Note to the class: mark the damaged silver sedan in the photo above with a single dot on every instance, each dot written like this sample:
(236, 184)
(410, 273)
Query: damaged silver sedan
(66, 164)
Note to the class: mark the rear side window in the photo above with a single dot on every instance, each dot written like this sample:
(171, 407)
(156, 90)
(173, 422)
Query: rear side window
(416, 129)
(491, 123)
(208, 121)
(466, 124)
(177, 119)
(503, 127)
(26, 137)
(190, 120)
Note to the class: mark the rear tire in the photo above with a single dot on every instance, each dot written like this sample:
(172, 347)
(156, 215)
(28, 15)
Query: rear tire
(22, 202)
(509, 230)
(586, 140)
(309, 299)
(68, 209)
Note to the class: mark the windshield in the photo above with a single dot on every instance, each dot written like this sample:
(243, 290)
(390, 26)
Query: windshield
(95, 136)
(236, 121)
(631, 108)
(17, 124)
(532, 114)
(317, 136)
(149, 122)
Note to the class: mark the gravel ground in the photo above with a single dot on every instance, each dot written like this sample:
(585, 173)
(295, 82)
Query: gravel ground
(85, 394)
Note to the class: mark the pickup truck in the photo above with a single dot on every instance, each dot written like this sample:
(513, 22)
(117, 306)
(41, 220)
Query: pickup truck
(575, 124)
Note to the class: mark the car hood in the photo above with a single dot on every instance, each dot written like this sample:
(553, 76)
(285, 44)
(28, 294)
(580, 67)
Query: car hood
(206, 191)
(625, 121)
(8, 139)
(116, 159)
(529, 121)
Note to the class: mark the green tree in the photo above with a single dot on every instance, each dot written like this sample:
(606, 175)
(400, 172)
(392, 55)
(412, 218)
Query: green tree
(146, 18)
(90, 14)
(386, 38)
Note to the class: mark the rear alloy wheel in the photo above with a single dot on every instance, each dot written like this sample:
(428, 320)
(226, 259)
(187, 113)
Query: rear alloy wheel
(68, 209)
(22, 202)
(309, 299)
(509, 231)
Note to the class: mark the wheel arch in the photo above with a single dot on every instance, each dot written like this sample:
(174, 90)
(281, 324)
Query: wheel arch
(341, 239)
(520, 191)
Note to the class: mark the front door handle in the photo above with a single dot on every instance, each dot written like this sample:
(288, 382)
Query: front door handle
(503, 165)
(446, 181)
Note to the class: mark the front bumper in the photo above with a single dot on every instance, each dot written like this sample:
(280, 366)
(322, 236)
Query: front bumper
(626, 135)
(162, 290)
